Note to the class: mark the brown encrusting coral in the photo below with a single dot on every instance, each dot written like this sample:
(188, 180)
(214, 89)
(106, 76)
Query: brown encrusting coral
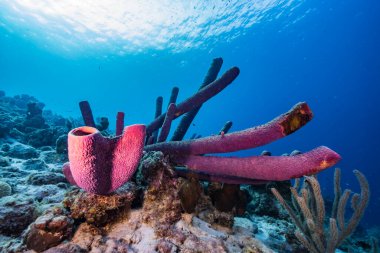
(162, 205)
(98, 209)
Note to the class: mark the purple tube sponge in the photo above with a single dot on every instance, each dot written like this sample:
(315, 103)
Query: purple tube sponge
(158, 112)
(253, 137)
(173, 95)
(271, 168)
(183, 172)
(197, 99)
(87, 113)
(188, 118)
(119, 123)
(167, 123)
(227, 126)
(100, 165)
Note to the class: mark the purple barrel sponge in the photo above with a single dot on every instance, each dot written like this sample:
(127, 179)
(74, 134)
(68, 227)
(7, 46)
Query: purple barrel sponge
(99, 164)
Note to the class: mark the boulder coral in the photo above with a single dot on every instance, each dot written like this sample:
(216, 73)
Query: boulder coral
(5, 189)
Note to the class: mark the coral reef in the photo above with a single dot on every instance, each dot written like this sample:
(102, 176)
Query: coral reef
(94, 223)
(29, 170)
(161, 205)
(34, 118)
(116, 195)
(146, 216)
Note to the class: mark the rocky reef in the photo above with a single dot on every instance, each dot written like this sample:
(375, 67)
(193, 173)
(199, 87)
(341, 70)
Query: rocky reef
(31, 181)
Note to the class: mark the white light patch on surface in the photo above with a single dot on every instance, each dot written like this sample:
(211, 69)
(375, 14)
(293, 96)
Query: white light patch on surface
(124, 26)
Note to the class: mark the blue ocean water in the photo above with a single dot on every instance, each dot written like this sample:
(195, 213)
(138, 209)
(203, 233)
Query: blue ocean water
(120, 57)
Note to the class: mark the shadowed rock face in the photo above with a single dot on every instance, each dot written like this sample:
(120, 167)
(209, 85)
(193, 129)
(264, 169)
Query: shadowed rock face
(34, 118)
(15, 214)
(228, 198)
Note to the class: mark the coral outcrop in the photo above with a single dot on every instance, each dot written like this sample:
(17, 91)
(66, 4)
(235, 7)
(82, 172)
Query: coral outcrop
(5, 189)
(29, 167)
(24, 118)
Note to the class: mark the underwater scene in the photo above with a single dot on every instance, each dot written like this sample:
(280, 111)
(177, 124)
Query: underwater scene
(189, 126)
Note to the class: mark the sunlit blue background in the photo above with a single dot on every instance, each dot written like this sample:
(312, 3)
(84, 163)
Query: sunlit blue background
(120, 56)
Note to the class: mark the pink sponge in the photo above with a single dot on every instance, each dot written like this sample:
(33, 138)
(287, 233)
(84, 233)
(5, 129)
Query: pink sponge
(99, 164)
(270, 168)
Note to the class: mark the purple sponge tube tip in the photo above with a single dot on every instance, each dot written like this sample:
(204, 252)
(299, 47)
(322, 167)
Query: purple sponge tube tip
(119, 123)
(167, 123)
(86, 111)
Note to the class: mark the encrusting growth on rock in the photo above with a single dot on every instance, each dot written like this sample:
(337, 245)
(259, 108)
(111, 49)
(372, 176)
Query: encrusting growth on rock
(161, 206)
